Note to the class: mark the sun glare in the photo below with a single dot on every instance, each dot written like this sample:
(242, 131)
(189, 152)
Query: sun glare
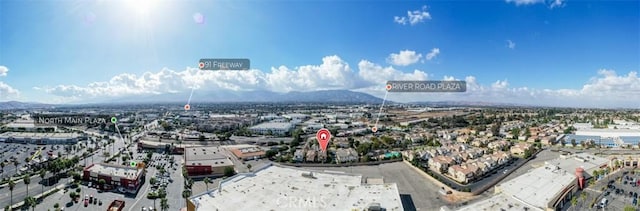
(141, 7)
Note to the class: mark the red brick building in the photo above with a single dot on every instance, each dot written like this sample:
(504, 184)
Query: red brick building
(126, 178)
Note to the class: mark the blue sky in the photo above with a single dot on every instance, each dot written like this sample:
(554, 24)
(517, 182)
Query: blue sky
(565, 53)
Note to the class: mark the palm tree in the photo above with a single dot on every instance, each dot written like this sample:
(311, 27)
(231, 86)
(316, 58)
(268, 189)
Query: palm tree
(27, 180)
(30, 202)
(11, 186)
(2, 164)
(16, 163)
(43, 173)
(206, 182)
(164, 204)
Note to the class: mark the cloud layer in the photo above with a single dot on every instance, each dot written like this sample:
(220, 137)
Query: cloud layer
(550, 3)
(413, 17)
(6, 91)
(606, 89)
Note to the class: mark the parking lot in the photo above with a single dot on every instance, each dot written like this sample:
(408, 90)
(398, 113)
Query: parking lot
(11, 152)
(621, 189)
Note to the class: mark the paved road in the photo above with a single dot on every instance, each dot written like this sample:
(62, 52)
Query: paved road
(20, 190)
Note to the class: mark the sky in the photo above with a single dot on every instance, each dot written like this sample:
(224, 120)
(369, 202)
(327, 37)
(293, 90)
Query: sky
(576, 53)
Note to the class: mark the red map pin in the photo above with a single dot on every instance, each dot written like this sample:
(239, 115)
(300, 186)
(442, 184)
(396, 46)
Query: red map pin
(323, 137)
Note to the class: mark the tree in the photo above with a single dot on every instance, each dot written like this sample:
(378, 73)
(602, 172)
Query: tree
(596, 173)
(11, 186)
(229, 171)
(186, 194)
(72, 195)
(27, 180)
(43, 173)
(102, 182)
(30, 202)
(206, 182)
(164, 204)
(16, 163)
(574, 201)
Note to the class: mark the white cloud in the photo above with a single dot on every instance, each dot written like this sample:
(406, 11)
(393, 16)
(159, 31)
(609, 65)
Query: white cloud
(511, 44)
(500, 84)
(524, 2)
(376, 75)
(606, 89)
(551, 3)
(6, 91)
(404, 58)
(3, 71)
(413, 17)
(434, 52)
(556, 3)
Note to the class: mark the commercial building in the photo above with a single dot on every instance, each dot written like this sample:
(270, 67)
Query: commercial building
(274, 128)
(249, 153)
(25, 125)
(124, 178)
(206, 161)
(39, 138)
(275, 187)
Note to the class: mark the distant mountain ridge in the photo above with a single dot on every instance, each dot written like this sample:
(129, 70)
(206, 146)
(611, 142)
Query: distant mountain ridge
(23, 105)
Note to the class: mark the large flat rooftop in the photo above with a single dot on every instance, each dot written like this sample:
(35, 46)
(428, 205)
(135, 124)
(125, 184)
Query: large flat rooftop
(539, 186)
(39, 135)
(497, 202)
(588, 162)
(283, 188)
(211, 156)
(115, 170)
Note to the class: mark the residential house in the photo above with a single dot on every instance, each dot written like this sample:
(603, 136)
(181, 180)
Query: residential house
(464, 139)
(322, 156)
(501, 157)
(519, 149)
(346, 155)
(498, 145)
(440, 163)
(298, 155)
(311, 156)
(463, 173)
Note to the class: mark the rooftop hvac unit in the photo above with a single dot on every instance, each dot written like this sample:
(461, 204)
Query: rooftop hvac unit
(374, 207)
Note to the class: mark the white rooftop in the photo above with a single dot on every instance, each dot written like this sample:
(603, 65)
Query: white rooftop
(497, 202)
(284, 188)
(539, 186)
(588, 162)
(115, 170)
(273, 125)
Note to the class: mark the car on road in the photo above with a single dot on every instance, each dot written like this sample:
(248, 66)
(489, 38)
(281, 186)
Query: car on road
(86, 202)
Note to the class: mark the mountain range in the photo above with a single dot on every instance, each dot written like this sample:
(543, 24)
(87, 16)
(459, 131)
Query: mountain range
(326, 96)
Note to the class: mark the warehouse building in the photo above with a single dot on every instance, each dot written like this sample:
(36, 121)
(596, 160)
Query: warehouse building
(39, 138)
(276, 187)
(206, 161)
(547, 188)
(274, 128)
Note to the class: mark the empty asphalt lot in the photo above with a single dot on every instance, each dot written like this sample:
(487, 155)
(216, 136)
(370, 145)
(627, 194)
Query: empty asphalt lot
(423, 192)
